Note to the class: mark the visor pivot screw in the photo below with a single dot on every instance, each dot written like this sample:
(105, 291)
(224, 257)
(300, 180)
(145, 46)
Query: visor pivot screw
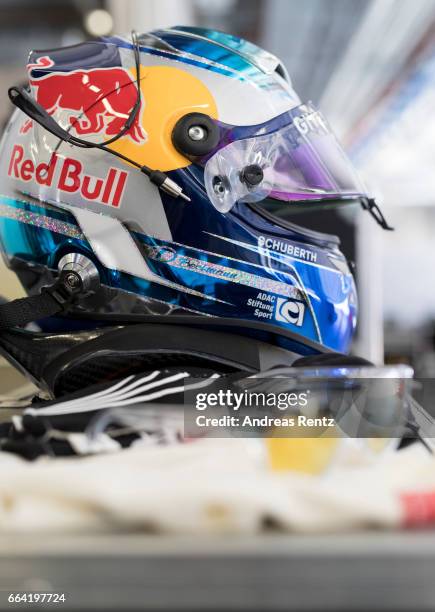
(79, 273)
(252, 175)
(218, 186)
(72, 280)
(196, 133)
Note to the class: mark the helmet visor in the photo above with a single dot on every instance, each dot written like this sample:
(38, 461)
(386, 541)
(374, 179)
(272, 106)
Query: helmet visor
(294, 157)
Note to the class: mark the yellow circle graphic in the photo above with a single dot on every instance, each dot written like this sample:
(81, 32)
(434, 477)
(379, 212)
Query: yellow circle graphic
(167, 95)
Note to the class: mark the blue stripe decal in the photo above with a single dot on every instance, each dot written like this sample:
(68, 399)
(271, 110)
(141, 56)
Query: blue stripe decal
(210, 51)
(176, 57)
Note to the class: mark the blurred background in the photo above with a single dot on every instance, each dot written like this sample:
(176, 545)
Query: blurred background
(370, 66)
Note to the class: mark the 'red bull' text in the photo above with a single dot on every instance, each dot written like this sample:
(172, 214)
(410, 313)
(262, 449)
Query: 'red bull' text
(67, 175)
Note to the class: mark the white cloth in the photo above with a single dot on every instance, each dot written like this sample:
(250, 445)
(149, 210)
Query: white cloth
(209, 486)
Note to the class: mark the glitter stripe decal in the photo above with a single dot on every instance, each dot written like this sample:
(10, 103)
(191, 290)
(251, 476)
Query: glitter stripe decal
(48, 223)
(232, 275)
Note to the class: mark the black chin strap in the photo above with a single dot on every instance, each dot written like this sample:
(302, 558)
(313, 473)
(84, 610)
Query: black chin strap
(51, 301)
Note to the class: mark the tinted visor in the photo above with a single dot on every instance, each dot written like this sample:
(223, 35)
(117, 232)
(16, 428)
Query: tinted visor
(292, 158)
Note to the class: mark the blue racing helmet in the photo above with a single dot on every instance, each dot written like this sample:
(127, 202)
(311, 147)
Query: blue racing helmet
(229, 150)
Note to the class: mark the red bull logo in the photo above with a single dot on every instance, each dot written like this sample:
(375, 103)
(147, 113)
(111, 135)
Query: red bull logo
(67, 175)
(96, 101)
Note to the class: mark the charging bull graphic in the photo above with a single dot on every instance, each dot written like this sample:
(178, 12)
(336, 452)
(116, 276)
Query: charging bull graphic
(98, 100)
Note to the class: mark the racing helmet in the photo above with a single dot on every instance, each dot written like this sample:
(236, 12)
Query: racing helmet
(229, 150)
